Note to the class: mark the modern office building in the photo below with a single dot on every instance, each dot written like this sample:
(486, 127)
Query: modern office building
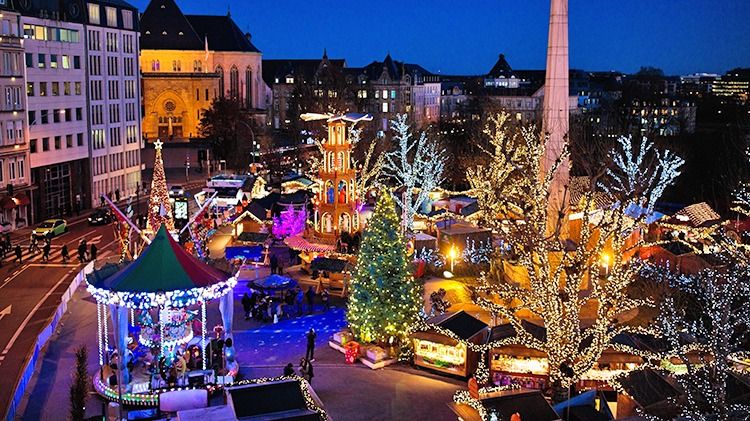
(113, 98)
(55, 55)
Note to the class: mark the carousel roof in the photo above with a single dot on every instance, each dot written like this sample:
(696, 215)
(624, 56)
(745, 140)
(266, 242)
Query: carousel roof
(163, 266)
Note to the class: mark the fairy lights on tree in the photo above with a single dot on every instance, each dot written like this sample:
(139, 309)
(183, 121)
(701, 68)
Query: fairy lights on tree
(290, 222)
(416, 165)
(705, 319)
(370, 170)
(578, 287)
(385, 300)
(159, 208)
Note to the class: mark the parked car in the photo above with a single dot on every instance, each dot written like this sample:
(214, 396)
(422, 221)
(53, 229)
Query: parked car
(51, 227)
(176, 191)
(101, 216)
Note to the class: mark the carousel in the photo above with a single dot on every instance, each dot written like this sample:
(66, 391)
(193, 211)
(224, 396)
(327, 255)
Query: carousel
(151, 325)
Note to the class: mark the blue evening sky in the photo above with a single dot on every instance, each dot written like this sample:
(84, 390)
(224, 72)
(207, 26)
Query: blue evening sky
(465, 36)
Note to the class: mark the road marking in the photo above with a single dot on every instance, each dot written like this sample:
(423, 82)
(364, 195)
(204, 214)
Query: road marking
(10, 278)
(5, 312)
(33, 311)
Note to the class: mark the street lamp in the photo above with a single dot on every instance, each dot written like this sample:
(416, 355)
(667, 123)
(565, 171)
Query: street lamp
(452, 253)
(605, 263)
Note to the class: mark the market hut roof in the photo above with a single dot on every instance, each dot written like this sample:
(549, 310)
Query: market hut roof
(330, 265)
(463, 324)
(697, 215)
(163, 266)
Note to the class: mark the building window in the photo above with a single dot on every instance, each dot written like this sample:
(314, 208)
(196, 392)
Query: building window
(44, 115)
(29, 60)
(45, 144)
(66, 88)
(111, 16)
(249, 87)
(234, 82)
(30, 88)
(53, 61)
(79, 139)
(94, 17)
(57, 142)
(127, 19)
(220, 71)
(79, 114)
(55, 88)
(77, 86)
(41, 63)
(76, 62)
(393, 94)
(69, 141)
(385, 107)
(65, 62)
(32, 146)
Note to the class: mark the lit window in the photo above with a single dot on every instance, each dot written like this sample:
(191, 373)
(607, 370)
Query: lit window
(289, 79)
(94, 13)
(385, 93)
(127, 19)
(385, 107)
(393, 94)
(111, 16)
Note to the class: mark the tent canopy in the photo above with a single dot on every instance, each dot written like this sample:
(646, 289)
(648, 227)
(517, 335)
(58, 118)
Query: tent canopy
(163, 266)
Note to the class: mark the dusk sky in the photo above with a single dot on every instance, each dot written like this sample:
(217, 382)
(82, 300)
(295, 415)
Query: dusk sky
(465, 37)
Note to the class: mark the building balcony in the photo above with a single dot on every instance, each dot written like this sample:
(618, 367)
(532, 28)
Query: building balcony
(10, 41)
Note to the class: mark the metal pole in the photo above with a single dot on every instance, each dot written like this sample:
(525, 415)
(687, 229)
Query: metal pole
(203, 332)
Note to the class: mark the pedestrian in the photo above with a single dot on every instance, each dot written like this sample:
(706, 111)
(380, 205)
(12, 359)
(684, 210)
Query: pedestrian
(303, 369)
(81, 251)
(278, 269)
(93, 252)
(300, 299)
(7, 240)
(289, 370)
(310, 352)
(274, 263)
(33, 244)
(117, 195)
(246, 305)
(64, 253)
(45, 254)
(324, 296)
(289, 302)
(310, 294)
(19, 254)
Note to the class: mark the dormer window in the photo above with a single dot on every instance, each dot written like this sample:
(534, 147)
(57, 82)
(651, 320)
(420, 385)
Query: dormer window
(289, 79)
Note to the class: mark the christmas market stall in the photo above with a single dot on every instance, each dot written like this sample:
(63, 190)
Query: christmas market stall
(446, 345)
(156, 340)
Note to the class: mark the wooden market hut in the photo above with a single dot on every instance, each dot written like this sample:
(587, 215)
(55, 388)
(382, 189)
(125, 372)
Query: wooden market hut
(529, 404)
(439, 352)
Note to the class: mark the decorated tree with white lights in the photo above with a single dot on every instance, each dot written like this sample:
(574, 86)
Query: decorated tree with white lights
(574, 280)
(501, 177)
(416, 166)
(159, 208)
(385, 300)
(369, 170)
(706, 323)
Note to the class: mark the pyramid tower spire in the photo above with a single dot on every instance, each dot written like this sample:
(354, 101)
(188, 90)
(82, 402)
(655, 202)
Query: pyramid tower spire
(159, 208)
(555, 110)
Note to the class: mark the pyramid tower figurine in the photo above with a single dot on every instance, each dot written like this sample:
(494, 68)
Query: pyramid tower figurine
(159, 208)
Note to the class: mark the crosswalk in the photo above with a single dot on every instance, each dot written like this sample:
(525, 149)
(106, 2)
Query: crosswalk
(36, 256)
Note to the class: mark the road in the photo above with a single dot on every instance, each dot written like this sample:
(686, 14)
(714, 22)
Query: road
(30, 293)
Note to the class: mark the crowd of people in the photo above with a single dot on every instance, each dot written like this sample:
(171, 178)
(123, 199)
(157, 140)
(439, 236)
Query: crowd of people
(264, 307)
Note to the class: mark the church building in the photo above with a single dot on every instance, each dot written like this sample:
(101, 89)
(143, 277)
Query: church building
(186, 62)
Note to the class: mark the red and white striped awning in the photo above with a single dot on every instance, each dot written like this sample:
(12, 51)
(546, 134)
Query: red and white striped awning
(299, 243)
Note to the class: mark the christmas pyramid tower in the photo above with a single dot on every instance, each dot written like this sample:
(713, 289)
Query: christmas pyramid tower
(159, 208)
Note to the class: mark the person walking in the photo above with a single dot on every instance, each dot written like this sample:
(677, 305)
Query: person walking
(309, 371)
(46, 250)
(304, 367)
(274, 263)
(247, 305)
(64, 253)
(93, 252)
(33, 244)
(81, 251)
(310, 295)
(324, 297)
(19, 254)
(310, 352)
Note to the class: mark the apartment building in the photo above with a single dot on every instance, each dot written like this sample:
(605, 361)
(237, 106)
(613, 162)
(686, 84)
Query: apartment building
(15, 178)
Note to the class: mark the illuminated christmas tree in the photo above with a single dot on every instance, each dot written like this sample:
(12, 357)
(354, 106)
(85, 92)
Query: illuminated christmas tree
(385, 299)
(159, 208)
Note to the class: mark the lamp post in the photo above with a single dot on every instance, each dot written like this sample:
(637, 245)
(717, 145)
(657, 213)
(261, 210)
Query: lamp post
(605, 263)
(452, 254)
